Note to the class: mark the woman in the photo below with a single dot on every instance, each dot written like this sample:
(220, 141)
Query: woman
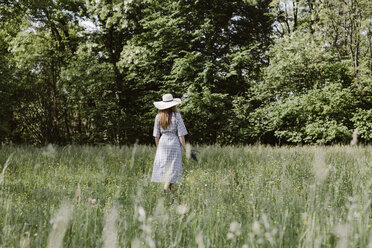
(169, 133)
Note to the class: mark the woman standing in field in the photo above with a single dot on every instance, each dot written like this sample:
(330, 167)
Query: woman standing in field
(169, 133)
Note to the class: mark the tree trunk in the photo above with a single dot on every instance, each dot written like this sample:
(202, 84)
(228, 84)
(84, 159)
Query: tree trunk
(295, 14)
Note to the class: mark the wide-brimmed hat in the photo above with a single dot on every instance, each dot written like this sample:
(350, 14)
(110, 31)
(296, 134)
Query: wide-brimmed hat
(168, 102)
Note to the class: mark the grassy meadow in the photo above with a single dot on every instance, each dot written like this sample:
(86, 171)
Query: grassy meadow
(253, 196)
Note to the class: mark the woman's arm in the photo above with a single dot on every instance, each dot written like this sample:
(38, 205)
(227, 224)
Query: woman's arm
(157, 141)
(183, 143)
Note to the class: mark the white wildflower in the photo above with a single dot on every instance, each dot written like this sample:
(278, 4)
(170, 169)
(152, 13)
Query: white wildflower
(141, 214)
(256, 228)
(182, 209)
(235, 228)
(230, 235)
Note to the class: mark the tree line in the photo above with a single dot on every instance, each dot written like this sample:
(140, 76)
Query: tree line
(268, 71)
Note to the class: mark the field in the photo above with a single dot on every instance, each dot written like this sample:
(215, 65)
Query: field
(254, 196)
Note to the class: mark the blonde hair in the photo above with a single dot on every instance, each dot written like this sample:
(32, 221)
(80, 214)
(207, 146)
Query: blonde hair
(165, 116)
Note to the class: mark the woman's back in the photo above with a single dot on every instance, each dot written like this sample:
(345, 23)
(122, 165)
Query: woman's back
(176, 126)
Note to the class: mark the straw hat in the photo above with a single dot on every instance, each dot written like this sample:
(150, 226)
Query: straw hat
(168, 102)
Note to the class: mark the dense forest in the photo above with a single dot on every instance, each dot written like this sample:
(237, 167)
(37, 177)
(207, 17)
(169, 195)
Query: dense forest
(253, 71)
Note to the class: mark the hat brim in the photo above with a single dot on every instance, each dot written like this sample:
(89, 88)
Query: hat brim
(165, 105)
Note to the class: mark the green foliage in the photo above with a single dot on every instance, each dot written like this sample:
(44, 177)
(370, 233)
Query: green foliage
(87, 84)
(362, 119)
(184, 48)
(6, 91)
(249, 71)
(205, 115)
(322, 115)
(299, 62)
(305, 96)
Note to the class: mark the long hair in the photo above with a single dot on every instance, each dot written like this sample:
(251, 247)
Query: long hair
(165, 116)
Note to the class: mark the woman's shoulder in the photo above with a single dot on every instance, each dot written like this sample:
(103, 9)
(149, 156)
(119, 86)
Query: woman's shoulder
(177, 115)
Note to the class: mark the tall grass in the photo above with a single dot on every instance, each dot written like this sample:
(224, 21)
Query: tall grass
(252, 196)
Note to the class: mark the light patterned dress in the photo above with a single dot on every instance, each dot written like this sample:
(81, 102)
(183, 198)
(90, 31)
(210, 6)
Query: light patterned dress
(168, 158)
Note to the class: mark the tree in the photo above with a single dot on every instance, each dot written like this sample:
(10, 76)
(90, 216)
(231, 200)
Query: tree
(10, 21)
(303, 73)
(199, 49)
(40, 50)
(247, 71)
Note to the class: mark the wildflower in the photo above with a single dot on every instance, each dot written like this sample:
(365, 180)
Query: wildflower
(230, 235)
(91, 201)
(182, 209)
(235, 228)
(256, 227)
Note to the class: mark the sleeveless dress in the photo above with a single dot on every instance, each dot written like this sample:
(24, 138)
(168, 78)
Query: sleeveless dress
(168, 158)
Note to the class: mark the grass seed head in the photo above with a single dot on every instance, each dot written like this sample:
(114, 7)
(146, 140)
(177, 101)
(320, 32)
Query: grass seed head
(188, 150)
(136, 243)
(354, 141)
(141, 214)
(2, 175)
(199, 240)
(24, 242)
(182, 209)
(320, 169)
(49, 151)
(235, 228)
(110, 233)
(60, 223)
(256, 228)
(342, 231)
(77, 197)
